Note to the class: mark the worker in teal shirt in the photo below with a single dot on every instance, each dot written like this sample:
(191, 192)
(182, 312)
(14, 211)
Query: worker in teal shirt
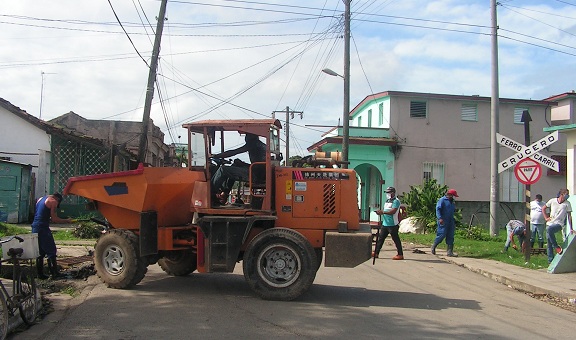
(390, 224)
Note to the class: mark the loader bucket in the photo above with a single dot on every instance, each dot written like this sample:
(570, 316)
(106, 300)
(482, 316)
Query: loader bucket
(122, 196)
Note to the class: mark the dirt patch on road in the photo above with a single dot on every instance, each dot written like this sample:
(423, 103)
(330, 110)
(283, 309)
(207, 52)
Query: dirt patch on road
(77, 271)
(555, 301)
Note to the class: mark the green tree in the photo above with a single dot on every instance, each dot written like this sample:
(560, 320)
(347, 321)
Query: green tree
(421, 203)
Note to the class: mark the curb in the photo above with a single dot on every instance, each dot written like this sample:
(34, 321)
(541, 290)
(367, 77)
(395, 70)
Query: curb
(518, 285)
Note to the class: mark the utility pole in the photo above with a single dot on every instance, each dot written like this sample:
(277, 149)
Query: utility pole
(289, 114)
(494, 126)
(346, 109)
(150, 87)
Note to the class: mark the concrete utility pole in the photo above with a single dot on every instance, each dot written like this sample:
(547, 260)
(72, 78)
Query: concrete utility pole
(150, 88)
(289, 114)
(494, 126)
(346, 109)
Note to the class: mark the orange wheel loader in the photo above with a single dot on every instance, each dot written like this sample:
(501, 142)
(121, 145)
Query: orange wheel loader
(281, 224)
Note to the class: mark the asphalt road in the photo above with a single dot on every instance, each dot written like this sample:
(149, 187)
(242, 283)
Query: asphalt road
(421, 297)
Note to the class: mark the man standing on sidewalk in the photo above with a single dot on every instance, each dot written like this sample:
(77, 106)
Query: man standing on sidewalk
(560, 209)
(537, 221)
(446, 228)
(390, 224)
(44, 214)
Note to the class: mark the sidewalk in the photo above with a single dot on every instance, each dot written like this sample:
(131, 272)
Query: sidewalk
(537, 282)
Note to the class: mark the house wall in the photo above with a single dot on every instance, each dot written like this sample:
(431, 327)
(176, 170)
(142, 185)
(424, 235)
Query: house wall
(25, 143)
(462, 147)
(123, 133)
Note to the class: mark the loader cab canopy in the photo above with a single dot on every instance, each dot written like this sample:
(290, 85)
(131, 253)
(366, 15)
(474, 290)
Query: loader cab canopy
(210, 137)
(211, 133)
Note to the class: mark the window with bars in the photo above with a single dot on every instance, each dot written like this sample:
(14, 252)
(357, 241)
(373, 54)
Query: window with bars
(418, 109)
(510, 188)
(381, 114)
(469, 112)
(518, 114)
(562, 162)
(359, 121)
(433, 170)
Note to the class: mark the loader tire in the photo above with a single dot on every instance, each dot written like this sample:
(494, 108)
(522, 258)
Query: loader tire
(178, 263)
(280, 264)
(117, 261)
(319, 256)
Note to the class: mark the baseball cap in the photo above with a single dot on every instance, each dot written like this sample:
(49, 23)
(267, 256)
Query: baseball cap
(390, 189)
(452, 192)
(58, 198)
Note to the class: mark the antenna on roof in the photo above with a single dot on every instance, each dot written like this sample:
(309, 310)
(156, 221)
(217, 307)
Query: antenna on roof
(42, 73)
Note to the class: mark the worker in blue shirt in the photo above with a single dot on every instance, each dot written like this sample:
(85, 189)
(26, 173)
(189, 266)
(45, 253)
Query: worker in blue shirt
(446, 225)
(44, 214)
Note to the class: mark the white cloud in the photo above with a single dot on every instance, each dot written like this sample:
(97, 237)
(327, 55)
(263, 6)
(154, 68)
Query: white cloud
(396, 54)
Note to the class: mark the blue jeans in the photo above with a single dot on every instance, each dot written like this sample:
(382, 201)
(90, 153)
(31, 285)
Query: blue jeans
(509, 229)
(537, 228)
(551, 239)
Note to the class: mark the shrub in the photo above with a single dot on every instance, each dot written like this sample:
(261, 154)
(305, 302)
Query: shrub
(477, 233)
(87, 230)
(421, 203)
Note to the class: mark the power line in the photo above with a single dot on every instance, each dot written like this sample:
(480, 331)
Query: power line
(567, 3)
(127, 35)
(542, 22)
(527, 43)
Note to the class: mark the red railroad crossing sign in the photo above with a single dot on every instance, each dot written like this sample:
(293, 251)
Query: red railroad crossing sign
(528, 171)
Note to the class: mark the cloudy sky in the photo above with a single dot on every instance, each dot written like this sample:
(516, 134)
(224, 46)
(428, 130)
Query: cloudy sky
(245, 59)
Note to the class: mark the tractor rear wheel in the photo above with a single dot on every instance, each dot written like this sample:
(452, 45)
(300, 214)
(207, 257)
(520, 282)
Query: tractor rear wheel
(117, 261)
(178, 263)
(280, 264)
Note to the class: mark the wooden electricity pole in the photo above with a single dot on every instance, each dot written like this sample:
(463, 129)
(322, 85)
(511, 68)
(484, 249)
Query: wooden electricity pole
(142, 147)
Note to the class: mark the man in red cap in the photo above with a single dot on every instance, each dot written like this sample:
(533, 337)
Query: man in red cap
(446, 224)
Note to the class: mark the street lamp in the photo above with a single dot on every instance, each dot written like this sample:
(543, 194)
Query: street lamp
(332, 73)
(345, 116)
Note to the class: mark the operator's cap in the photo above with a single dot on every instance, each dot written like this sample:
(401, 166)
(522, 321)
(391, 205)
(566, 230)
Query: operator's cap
(390, 189)
(452, 192)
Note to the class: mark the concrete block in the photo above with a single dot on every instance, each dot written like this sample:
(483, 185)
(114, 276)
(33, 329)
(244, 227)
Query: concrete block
(565, 263)
(347, 249)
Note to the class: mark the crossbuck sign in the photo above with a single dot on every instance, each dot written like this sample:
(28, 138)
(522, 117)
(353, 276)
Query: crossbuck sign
(530, 151)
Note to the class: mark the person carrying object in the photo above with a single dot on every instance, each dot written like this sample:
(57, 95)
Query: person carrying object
(390, 224)
(45, 213)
